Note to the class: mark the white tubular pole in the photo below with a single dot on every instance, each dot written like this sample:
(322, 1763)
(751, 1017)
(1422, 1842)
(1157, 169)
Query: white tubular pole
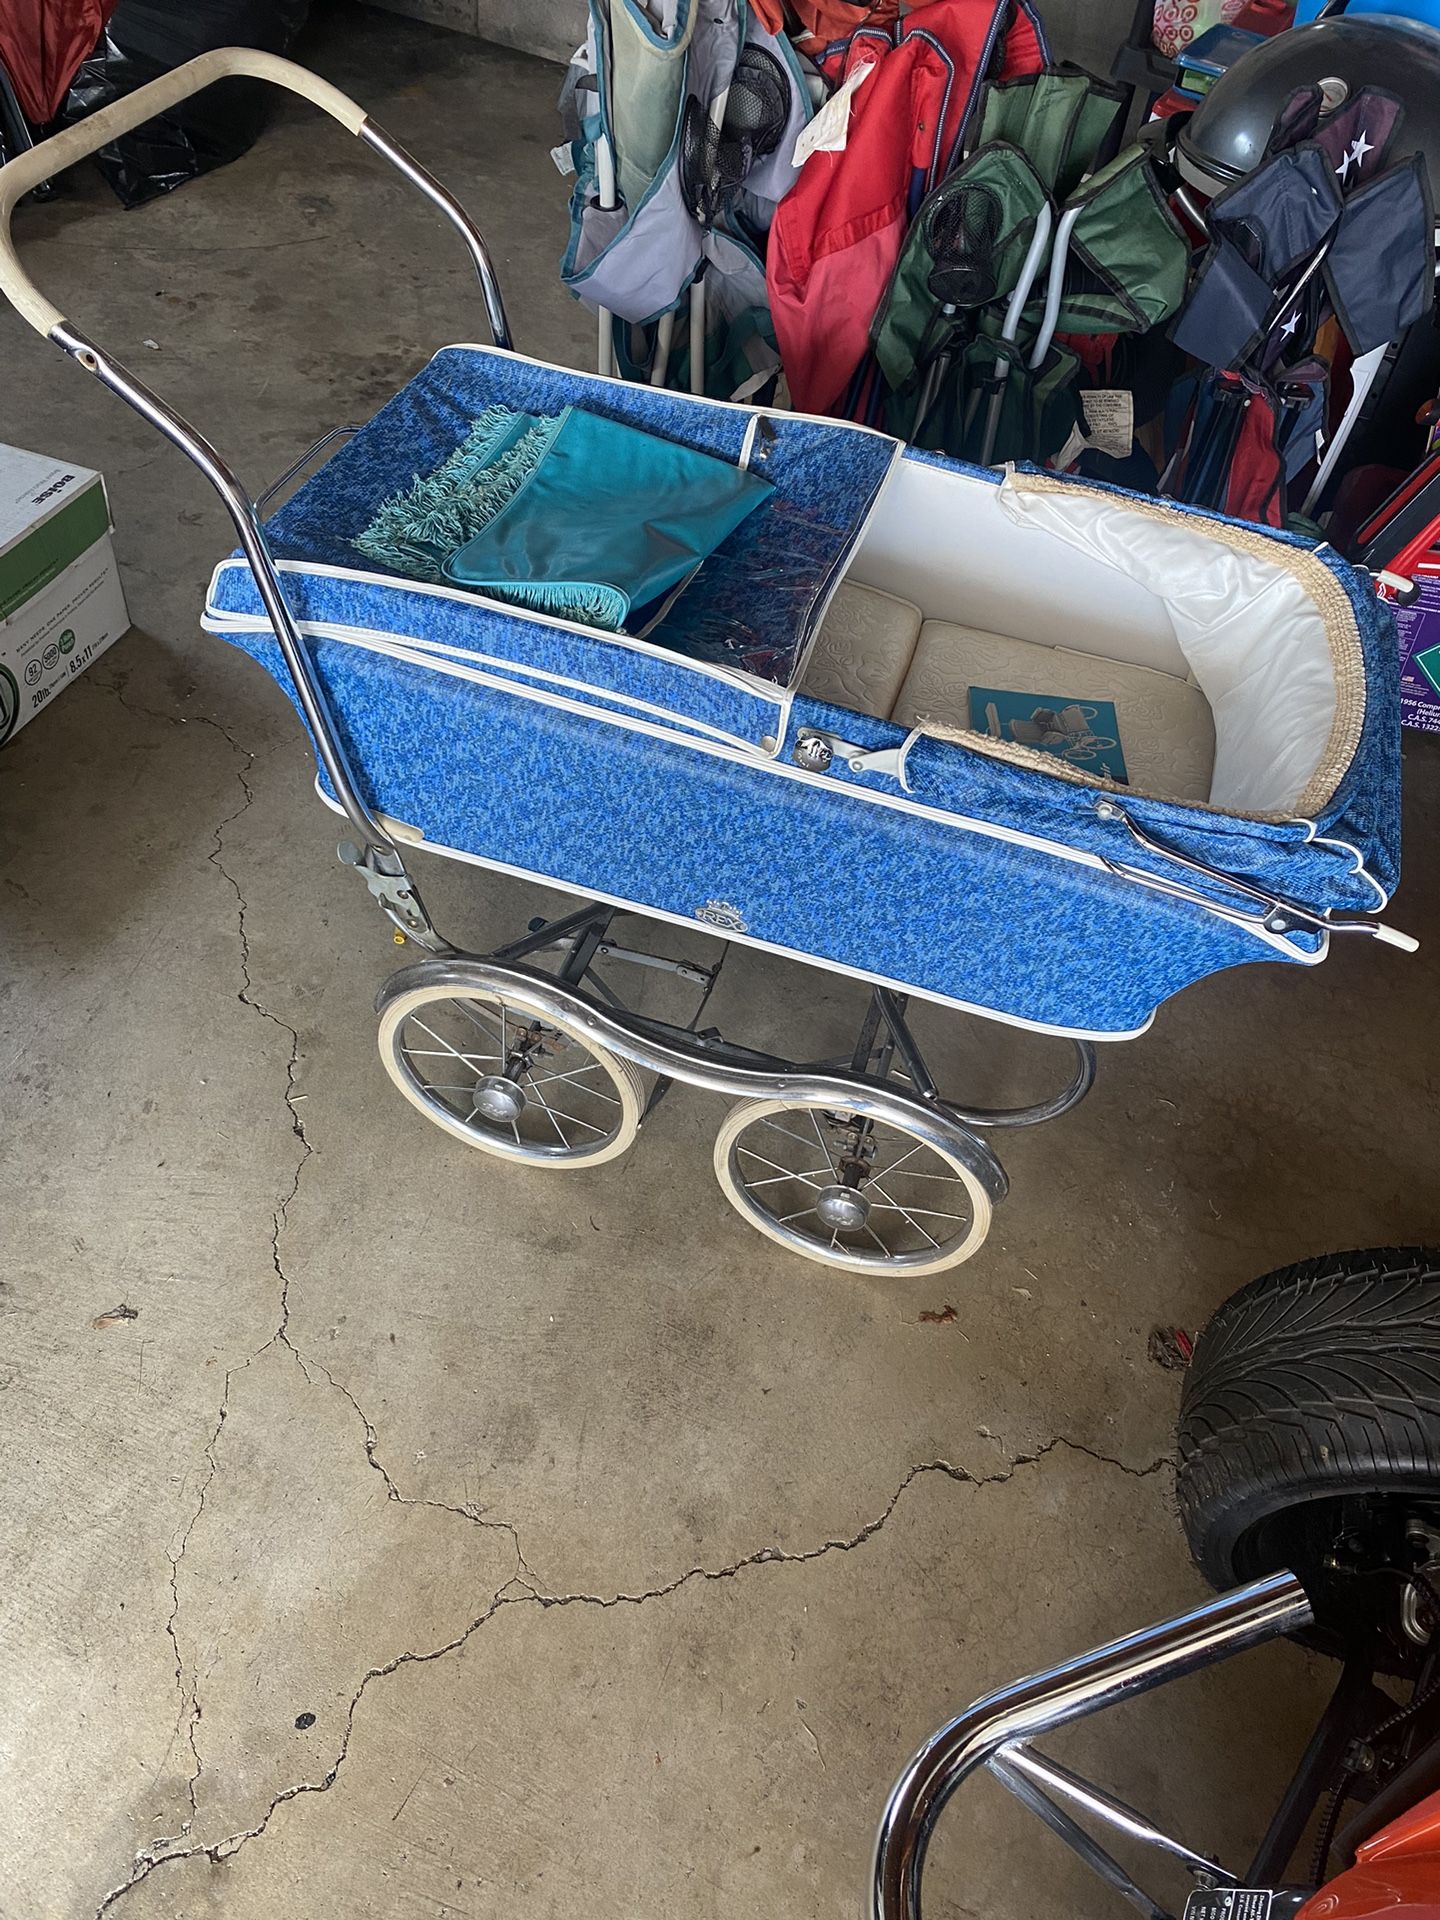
(698, 315)
(606, 197)
(1029, 274)
(697, 335)
(1362, 378)
(1054, 286)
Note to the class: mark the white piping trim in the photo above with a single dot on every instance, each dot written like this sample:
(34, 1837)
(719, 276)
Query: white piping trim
(963, 823)
(412, 837)
(1315, 838)
(456, 664)
(746, 683)
(747, 445)
(690, 399)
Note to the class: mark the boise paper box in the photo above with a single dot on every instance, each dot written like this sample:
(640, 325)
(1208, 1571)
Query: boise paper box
(61, 603)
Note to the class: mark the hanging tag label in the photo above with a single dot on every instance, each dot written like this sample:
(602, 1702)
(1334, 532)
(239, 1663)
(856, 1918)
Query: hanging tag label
(564, 160)
(1230, 1903)
(1110, 428)
(830, 129)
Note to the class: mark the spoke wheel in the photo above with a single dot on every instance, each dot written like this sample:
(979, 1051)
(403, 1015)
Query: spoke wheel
(864, 1194)
(507, 1082)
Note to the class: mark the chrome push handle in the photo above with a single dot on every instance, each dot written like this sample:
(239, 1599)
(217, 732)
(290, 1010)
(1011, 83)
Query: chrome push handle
(377, 856)
(37, 164)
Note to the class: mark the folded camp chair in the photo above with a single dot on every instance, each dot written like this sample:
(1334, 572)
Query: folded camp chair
(682, 140)
(1075, 252)
(838, 234)
(1325, 228)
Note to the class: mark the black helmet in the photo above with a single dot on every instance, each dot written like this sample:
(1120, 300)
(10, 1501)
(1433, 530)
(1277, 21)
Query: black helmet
(1229, 131)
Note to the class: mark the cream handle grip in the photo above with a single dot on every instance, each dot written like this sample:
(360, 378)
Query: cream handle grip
(35, 165)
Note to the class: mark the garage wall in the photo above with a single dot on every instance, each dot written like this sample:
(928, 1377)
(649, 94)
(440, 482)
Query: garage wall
(1083, 30)
(551, 28)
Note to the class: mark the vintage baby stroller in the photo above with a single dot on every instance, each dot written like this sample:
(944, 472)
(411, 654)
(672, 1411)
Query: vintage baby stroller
(789, 759)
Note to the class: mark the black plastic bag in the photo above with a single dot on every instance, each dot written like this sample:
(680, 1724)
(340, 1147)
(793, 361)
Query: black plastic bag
(146, 38)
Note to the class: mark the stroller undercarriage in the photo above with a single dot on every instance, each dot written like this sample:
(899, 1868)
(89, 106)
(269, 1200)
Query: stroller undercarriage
(857, 1161)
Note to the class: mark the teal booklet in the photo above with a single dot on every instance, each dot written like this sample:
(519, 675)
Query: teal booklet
(1083, 733)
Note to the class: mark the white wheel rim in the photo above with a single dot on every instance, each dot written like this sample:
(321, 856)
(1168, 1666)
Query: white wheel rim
(761, 1179)
(581, 1104)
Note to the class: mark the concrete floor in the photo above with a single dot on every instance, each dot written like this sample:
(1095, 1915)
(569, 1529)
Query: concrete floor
(437, 1539)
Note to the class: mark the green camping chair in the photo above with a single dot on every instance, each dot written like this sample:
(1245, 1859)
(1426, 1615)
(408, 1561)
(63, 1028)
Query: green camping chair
(1027, 241)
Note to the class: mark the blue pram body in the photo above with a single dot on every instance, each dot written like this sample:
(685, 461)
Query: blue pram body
(1034, 749)
(662, 772)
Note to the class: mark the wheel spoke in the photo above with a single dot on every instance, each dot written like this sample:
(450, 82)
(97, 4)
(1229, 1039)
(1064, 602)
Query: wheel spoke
(774, 1179)
(786, 1218)
(573, 1118)
(915, 1173)
(448, 1053)
(899, 1209)
(439, 1040)
(543, 1079)
(775, 1127)
(933, 1213)
(477, 1015)
(821, 1142)
(883, 1173)
(785, 1171)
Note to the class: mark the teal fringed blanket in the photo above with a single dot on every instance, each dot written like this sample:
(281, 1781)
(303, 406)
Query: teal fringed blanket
(573, 515)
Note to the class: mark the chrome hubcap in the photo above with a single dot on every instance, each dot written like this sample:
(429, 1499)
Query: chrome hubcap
(499, 1100)
(842, 1209)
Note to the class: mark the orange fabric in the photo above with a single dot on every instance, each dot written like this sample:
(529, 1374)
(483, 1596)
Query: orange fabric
(42, 43)
(826, 20)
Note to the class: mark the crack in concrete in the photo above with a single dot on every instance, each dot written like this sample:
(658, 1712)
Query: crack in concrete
(191, 1711)
(392, 1491)
(217, 1851)
(781, 1556)
(516, 1591)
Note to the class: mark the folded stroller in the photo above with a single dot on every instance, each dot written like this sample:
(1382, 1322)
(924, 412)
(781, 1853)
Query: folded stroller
(797, 755)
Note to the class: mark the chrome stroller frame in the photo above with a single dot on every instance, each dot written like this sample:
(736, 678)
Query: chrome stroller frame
(881, 1099)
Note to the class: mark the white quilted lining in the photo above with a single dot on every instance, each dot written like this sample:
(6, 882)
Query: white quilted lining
(863, 651)
(1230, 673)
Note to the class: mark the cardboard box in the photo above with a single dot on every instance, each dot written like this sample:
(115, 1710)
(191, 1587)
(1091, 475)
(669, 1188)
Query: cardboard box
(61, 603)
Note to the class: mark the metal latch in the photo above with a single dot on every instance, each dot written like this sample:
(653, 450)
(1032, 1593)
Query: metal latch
(384, 874)
(817, 753)
(1269, 911)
